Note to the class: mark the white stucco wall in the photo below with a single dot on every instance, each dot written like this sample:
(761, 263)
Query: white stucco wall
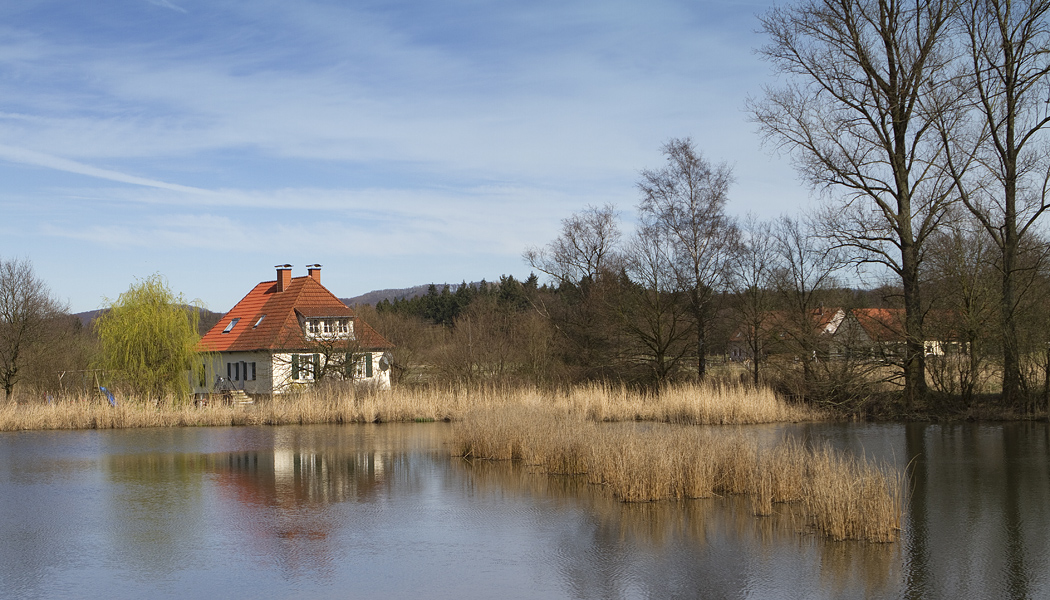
(281, 369)
(215, 365)
(273, 373)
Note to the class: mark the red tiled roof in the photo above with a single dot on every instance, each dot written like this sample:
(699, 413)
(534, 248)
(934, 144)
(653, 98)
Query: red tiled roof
(881, 324)
(279, 327)
(824, 321)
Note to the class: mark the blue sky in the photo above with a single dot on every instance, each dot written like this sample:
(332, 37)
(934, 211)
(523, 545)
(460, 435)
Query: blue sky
(395, 143)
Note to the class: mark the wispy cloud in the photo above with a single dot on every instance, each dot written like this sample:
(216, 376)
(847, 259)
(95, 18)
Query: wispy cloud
(167, 4)
(39, 159)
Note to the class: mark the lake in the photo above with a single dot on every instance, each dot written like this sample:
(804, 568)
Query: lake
(383, 511)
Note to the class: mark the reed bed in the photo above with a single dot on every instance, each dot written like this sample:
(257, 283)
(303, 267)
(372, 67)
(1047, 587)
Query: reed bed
(842, 497)
(852, 498)
(690, 404)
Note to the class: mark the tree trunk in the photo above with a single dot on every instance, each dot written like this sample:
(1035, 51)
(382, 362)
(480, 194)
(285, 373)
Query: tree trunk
(914, 350)
(701, 334)
(1011, 350)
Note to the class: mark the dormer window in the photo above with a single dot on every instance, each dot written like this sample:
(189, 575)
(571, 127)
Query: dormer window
(229, 326)
(333, 327)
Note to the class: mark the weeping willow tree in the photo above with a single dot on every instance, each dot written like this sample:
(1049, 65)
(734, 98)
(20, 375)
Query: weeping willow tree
(148, 340)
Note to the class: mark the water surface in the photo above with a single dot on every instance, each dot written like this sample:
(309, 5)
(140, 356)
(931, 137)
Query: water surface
(382, 511)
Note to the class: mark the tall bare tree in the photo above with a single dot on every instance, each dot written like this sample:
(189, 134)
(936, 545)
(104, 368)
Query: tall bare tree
(27, 312)
(1001, 160)
(686, 200)
(856, 116)
(753, 271)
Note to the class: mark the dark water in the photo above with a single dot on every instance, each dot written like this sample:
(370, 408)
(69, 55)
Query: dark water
(383, 512)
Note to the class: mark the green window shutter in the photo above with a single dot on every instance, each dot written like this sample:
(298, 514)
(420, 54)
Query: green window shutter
(295, 366)
(368, 364)
(317, 366)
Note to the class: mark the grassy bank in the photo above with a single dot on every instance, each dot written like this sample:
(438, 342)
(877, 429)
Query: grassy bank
(682, 404)
(840, 496)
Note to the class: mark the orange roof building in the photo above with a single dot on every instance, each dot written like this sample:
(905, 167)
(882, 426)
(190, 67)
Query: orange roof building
(288, 333)
(776, 327)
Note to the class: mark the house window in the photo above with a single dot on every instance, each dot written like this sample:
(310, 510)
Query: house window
(319, 327)
(359, 366)
(229, 327)
(233, 371)
(306, 366)
(261, 317)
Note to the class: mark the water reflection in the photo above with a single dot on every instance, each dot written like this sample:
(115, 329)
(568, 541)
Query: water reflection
(979, 510)
(274, 496)
(709, 548)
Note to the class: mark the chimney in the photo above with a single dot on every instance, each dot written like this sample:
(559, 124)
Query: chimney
(314, 271)
(284, 277)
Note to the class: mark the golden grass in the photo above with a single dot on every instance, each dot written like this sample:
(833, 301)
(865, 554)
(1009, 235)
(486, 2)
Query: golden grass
(852, 498)
(681, 404)
(839, 496)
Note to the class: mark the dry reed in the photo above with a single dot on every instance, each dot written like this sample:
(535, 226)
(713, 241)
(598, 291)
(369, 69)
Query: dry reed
(680, 404)
(852, 498)
(840, 496)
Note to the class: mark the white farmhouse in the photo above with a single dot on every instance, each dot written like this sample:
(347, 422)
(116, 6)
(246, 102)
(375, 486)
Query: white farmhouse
(288, 333)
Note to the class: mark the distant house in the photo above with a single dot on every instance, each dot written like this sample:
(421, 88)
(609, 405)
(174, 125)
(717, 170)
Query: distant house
(879, 333)
(780, 332)
(289, 333)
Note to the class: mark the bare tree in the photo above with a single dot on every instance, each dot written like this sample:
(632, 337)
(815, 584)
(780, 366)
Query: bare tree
(809, 267)
(856, 116)
(963, 305)
(585, 249)
(999, 157)
(753, 271)
(686, 201)
(584, 262)
(652, 307)
(27, 311)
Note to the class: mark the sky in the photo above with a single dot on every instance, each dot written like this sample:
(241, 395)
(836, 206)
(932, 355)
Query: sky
(394, 143)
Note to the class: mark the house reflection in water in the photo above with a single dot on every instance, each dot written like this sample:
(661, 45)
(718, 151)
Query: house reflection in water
(283, 497)
(289, 496)
(297, 478)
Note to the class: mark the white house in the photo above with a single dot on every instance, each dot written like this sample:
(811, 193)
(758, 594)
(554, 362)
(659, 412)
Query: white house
(289, 333)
